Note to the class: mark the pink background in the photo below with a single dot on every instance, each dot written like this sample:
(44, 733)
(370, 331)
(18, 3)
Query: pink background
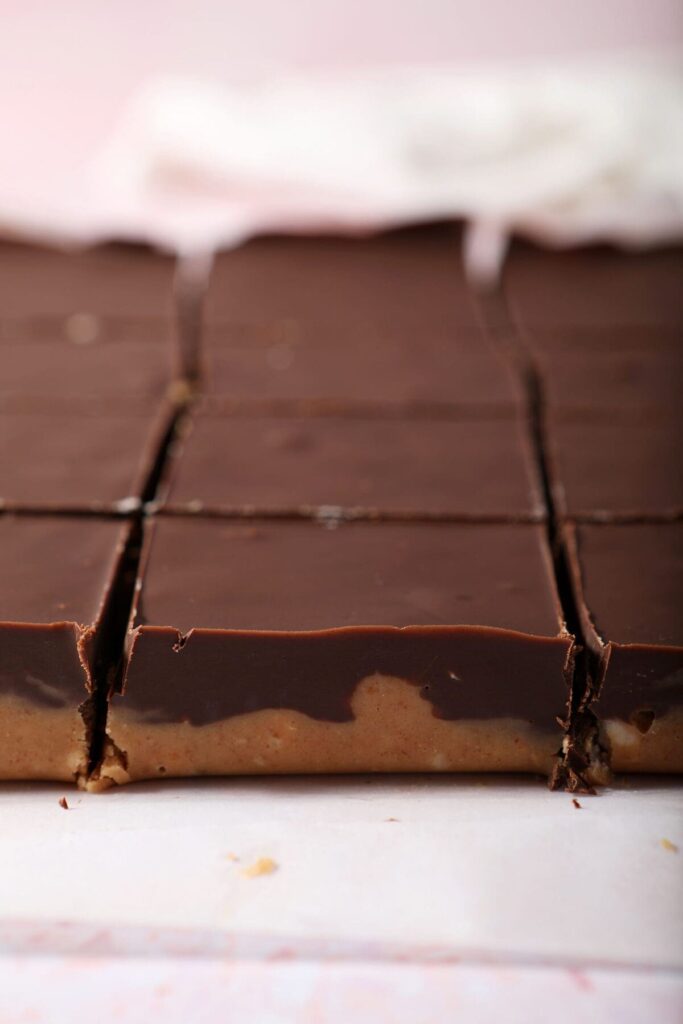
(67, 68)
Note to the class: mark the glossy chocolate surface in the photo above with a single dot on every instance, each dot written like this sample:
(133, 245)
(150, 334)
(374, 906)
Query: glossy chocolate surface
(596, 287)
(69, 461)
(296, 615)
(633, 378)
(409, 281)
(463, 467)
(108, 281)
(58, 370)
(629, 584)
(616, 464)
(89, 324)
(56, 574)
(387, 319)
(414, 372)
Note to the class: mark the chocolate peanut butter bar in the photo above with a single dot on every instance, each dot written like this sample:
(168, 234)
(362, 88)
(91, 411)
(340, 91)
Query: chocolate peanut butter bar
(554, 295)
(462, 467)
(324, 320)
(649, 376)
(40, 285)
(628, 582)
(62, 372)
(616, 465)
(96, 323)
(57, 578)
(604, 331)
(292, 647)
(397, 281)
(71, 461)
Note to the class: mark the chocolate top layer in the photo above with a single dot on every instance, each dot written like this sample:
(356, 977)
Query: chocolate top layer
(400, 281)
(620, 339)
(596, 288)
(56, 577)
(632, 582)
(56, 570)
(37, 281)
(615, 465)
(305, 576)
(628, 581)
(472, 468)
(358, 368)
(61, 460)
(388, 319)
(649, 376)
(59, 369)
(296, 615)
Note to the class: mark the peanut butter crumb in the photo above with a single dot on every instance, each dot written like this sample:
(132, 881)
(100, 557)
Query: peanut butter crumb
(63, 804)
(576, 803)
(232, 856)
(666, 844)
(262, 866)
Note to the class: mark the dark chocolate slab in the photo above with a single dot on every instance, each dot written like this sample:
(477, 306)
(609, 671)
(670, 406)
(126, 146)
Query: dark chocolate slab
(56, 576)
(650, 376)
(296, 614)
(613, 464)
(470, 468)
(91, 323)
(395, 282)
(624, 339)
(388, 319)
(106, 281)
(363, 370)
(60, 460)
(595, 288)
(629, 585)
(84, 329)
(99, 371)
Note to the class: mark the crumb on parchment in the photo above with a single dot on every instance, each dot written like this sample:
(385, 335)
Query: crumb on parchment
(262, 866)
(63, 804)
(666, 844)
(232, 857)
(576, 803)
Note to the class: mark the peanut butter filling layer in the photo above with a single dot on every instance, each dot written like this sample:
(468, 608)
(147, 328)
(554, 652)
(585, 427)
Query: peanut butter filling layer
(394, 730)
(658, 749)
(39, 743)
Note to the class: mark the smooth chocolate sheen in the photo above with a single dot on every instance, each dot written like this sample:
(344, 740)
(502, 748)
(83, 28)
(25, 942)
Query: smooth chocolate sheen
(128, 281)
(383, 319)
(616, 464)
(56, 576)
(74, 461)
(629, 584)
(470, 468)
(635, 378)
(596, 287)
(59, 370)
(410, 281)
(295, 615)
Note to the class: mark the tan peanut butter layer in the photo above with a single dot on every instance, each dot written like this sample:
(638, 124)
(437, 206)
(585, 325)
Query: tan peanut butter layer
(41, 743)
(393, 730)
(659, 749)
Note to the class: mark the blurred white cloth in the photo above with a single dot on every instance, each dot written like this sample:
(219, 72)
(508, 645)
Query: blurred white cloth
(565, 154)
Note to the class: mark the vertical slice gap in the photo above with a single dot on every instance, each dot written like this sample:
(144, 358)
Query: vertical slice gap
(109, 654)
(582, 756)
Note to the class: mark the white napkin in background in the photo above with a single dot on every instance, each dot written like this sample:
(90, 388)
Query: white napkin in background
(565, 154)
